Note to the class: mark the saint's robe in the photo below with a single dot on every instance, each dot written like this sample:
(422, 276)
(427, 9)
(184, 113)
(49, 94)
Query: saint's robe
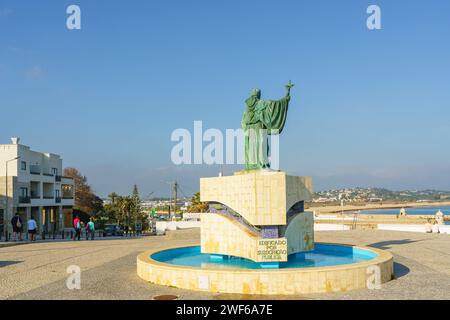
(262, 118)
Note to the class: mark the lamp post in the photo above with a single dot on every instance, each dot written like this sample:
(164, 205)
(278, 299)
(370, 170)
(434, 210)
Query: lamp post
(5, 225)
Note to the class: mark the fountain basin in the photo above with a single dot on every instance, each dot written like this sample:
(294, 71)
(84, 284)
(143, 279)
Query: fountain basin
(330, 267)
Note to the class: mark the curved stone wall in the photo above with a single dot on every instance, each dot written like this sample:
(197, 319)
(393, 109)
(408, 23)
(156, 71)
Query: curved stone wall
(261, 197)
(267, 281)
(221, 234)
(300, 233)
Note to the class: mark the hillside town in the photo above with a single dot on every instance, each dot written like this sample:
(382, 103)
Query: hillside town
(378, 195)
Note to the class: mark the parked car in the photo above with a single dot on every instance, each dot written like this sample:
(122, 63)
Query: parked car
(162, 217)
(112, 230)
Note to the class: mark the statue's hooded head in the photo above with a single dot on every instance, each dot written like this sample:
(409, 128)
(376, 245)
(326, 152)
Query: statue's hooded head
(255, 95)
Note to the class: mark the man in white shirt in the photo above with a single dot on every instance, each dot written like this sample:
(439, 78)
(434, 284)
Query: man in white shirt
(32, 229)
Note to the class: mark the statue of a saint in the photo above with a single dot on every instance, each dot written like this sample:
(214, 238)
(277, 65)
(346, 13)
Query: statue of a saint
(262, 118)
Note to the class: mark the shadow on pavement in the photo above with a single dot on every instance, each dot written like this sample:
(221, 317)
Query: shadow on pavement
(384, 245)
(8, 263)
(400, 270)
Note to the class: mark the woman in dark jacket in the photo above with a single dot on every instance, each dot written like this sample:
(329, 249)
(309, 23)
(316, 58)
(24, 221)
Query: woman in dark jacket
(17, 226)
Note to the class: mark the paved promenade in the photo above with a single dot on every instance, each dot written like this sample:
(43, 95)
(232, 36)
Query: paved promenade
(38, 270)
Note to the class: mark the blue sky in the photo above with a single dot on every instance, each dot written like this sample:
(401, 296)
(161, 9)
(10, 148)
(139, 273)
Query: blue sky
(370, 108)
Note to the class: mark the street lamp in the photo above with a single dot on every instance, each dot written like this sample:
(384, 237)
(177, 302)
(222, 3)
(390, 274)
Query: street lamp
(5, 225)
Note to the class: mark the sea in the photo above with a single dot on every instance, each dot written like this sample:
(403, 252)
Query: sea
(412, 211)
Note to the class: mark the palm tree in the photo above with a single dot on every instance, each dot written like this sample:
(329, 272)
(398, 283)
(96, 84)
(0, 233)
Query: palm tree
(197, 205)
(126, 206)
(113, 196)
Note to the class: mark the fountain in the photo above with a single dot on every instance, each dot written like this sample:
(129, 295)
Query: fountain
(256, 237)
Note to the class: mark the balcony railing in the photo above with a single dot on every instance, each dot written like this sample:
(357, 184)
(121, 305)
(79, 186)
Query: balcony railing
(67, 180)
(35, 169)
(24, 199)
(35, 195)
(67, 197)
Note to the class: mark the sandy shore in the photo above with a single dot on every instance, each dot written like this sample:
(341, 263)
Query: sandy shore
(326, 209)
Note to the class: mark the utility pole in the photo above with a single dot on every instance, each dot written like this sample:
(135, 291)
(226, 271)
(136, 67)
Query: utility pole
(5, 215)
(174, 196)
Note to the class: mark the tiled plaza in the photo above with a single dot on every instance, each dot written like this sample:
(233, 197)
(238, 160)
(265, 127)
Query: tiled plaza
(108, 267)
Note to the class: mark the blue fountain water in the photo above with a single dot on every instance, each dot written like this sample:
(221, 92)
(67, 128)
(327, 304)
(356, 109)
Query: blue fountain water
(322, 256)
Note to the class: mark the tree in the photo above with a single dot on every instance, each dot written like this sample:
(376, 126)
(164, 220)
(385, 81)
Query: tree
(85, 199)
(125, 210)
(135, 193)
(96, 205)
(111, 212)
(136, 212)
(126, 206)
(197, 205)
(115, 212)
(113, 197)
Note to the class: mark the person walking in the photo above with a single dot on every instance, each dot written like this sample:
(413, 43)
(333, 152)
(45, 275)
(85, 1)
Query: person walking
(32, 229)
(17, 226)
(138, 228)
(435, 227)
(90, 229)
(77, 228)
(428, 226)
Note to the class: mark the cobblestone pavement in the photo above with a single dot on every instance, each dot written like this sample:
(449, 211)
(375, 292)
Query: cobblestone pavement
(108, 268)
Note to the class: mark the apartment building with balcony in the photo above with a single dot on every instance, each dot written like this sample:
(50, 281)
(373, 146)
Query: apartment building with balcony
(34, 186)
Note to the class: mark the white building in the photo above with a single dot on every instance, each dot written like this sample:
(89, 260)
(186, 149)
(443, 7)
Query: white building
(35, 187)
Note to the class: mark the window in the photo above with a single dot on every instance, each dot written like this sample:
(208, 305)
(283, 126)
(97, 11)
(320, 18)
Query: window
(57, 193)
(55, 171)
(23, 165)
(23, 192)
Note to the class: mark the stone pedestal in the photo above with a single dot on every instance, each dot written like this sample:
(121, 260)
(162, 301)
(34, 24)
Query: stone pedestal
(257, 215)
